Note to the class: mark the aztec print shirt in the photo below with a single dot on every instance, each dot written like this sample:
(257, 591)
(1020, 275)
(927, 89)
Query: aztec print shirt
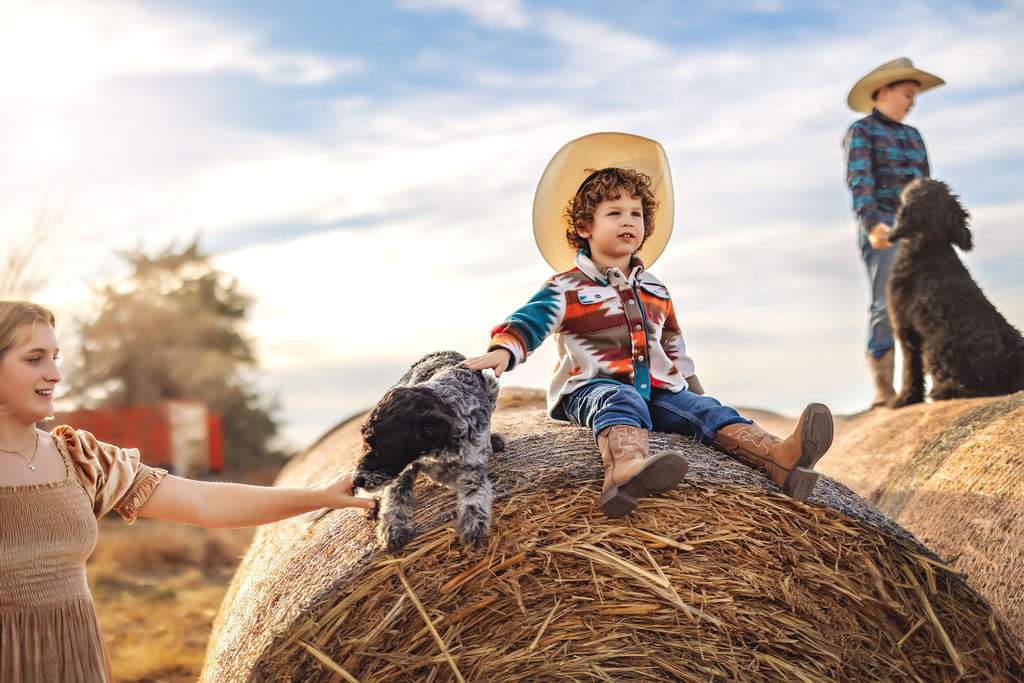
(882, 157)
(609, 327)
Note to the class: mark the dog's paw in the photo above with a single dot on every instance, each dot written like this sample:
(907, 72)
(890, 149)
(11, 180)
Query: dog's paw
(901, 400)
(370, 480)
(473, 532)
(393, 537)
(498, 442)
(374, 512)
(944, 392)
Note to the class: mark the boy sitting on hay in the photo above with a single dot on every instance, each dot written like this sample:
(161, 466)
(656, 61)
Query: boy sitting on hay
(623, 368)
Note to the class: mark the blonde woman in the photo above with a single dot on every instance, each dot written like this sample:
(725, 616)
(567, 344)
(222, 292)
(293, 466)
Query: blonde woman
(53, 488)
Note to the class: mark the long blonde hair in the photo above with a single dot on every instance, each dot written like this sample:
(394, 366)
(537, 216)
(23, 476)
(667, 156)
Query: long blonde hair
(14, 314)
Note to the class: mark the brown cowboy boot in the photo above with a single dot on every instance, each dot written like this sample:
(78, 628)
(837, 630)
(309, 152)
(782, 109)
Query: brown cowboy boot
(788, 463)
(882, 370)
(628, 471)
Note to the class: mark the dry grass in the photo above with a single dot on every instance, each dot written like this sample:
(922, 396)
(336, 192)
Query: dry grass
(158, 586)
(696, 585)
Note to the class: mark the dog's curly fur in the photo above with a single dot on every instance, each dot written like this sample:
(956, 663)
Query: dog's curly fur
(945, 325)
(435, 420)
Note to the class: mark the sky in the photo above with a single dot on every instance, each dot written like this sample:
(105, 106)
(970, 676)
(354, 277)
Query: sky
(366, 170)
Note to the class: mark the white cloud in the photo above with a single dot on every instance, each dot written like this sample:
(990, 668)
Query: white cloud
(504, 14)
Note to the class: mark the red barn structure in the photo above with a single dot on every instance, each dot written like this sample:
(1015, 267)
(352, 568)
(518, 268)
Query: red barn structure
(180, 436)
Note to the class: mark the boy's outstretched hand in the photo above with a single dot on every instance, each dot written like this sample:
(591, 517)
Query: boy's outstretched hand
(496, 360)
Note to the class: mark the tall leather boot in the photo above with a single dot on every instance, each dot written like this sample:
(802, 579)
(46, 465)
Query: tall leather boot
(790, 462)
(630, 473)
(882, 370)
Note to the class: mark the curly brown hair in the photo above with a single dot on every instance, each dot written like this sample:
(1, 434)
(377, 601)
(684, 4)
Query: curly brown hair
(608, 183)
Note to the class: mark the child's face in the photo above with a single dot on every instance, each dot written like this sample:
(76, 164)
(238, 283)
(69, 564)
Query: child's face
(616, 232)
(895, 101)
(28, 374)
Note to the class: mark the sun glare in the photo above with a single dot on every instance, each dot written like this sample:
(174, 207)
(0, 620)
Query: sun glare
(46, 58)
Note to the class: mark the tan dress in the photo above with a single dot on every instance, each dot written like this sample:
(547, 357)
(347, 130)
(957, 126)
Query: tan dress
(48, 626)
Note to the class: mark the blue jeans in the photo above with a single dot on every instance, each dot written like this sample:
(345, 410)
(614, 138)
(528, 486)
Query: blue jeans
(602, 404)
(878, 263)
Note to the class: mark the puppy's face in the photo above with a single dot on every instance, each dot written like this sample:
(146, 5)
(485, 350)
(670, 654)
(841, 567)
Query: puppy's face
(929, 212)
(407, 423)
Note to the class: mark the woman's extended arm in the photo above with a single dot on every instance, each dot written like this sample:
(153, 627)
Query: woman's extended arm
(219, 505)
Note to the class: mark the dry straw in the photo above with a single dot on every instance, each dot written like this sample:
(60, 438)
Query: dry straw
(722, 578)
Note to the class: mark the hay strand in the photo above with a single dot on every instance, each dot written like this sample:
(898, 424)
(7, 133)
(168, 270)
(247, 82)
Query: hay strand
(953, 654)
(430, 625)
(328, 662)
(544, 626)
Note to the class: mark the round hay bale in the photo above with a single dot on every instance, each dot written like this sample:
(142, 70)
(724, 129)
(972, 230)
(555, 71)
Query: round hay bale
(952, 473)
(723, 577)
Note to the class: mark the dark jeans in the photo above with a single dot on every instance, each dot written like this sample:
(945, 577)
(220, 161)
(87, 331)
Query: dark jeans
(603, 404)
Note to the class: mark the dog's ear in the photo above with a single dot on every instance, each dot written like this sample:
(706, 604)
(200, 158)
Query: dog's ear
(956, 222)
(903, 227)
(436, 428)
(431, 418)
(390, 438)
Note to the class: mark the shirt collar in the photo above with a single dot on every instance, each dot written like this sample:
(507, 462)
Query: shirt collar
(604, 277)
(882, 117)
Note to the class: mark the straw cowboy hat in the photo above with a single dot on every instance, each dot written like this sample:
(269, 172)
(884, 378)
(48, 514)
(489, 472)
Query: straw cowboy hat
(569, 168)
(901, 69)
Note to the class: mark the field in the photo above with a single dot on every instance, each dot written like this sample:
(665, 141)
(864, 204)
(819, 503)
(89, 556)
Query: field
(158, 586)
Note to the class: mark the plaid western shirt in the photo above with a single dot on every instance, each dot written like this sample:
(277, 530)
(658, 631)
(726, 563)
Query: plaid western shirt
(609, 327)
(882, 157)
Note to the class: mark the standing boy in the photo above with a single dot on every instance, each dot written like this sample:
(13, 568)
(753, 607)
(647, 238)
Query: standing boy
(623, 368)
(882, 156)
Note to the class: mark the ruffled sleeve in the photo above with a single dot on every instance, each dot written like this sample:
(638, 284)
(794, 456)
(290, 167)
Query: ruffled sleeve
(114, 478)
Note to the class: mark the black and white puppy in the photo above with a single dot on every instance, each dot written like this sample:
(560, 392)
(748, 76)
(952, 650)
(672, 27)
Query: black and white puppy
(435, 420)
(945, 325)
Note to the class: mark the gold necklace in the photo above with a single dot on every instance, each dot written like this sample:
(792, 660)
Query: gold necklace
(31, 462)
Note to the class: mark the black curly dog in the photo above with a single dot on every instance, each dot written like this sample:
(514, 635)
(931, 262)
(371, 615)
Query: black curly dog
(943, 322)
(435, 420)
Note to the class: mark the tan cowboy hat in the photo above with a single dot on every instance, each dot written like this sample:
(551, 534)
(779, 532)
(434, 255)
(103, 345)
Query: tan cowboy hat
(569, 168)
(901, 69)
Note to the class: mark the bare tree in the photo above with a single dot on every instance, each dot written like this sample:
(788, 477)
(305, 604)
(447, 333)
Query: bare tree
(19, 275)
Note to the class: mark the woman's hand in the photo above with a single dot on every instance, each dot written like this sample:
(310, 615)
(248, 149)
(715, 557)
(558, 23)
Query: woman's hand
(338, 494)
(496, 360)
